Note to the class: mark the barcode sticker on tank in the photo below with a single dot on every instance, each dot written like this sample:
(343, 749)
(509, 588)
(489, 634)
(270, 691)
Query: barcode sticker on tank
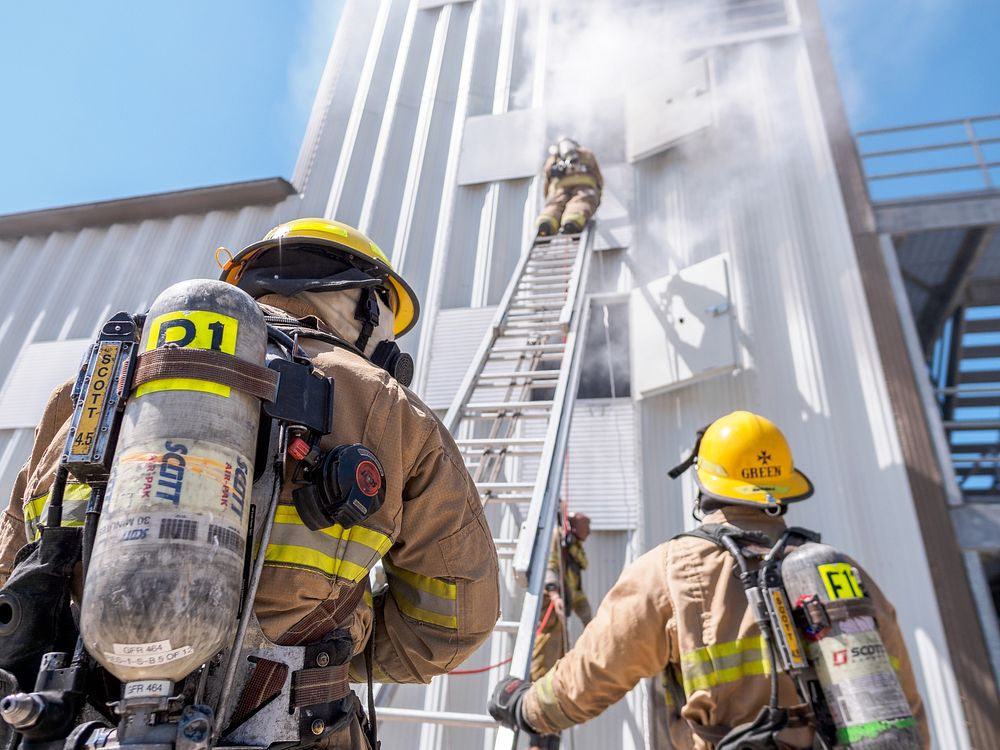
(147, 689)
(178, 528)
(226, 538)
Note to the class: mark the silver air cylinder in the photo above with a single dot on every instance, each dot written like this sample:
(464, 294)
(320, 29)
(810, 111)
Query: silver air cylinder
(163, 587)
(863, 694)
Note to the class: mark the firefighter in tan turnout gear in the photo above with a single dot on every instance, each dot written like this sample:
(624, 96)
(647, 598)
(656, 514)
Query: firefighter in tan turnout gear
(563, 586)
(680, 612)
(442, 598)
(573, 185)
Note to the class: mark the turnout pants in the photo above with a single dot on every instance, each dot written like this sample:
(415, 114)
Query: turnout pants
(574, 205)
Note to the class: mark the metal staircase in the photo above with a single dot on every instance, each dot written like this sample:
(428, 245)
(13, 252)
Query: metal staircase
(511, 419)
(969, 395)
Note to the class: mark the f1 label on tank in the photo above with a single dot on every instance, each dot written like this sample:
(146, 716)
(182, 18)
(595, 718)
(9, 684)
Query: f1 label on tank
(191, 329)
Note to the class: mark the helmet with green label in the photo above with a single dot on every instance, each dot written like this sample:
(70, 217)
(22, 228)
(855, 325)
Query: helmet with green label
(743, 458)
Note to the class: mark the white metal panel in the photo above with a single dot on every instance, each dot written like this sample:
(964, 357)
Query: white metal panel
(661, 113)
(502, 147)
(422, 4)
(601, 475)
(40, 368)
(681, 328)
(456, 337)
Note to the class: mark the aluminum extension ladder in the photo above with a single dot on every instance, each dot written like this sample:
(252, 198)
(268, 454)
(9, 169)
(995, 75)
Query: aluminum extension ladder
(511, 419)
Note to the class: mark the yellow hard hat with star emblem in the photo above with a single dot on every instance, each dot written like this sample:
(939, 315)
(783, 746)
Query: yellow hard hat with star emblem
(744, 458)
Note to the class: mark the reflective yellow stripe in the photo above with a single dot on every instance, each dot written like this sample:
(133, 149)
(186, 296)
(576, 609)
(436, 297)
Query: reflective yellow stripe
(721, 650)
(724, 662)
(575, 180)
(336, 551)
(722, 676)
(372, 539)
(434, 586)
(295, 556)
(895, 663)
(548, 703)
(423, 598)
(36, 510)
(412, 610)
(366, 597)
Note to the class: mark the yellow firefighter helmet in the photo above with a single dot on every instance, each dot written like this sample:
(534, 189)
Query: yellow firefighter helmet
(316, 255)
(743, 458)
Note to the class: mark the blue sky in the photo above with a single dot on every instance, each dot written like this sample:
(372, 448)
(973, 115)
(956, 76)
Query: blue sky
(110, 98)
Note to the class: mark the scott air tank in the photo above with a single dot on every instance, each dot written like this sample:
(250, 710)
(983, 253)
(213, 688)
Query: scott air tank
(865, 700)
(163, 586)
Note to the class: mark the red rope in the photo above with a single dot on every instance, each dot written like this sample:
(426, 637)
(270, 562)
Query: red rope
(480, 670)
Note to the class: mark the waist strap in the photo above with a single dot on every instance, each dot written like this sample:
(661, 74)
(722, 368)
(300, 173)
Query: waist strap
(319, 685)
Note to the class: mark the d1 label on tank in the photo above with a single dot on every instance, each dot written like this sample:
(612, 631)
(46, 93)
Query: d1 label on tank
(184, 475)
(191, 329)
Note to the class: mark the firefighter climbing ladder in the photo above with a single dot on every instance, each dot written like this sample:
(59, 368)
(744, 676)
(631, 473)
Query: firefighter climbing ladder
(511, 419)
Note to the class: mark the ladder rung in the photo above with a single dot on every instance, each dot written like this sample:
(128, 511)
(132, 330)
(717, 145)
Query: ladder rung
(504, 486)
(515, 451)
(506, 626)
(518, 356)
(492, 417)
(538, 298)
(543, 306)
(521, 334)
(541, 316)
(564, 260)
(521, 375)
(498, 442)
(508, 499)
(528, 349)
(448, 718)
(505, 543)
(509, 406)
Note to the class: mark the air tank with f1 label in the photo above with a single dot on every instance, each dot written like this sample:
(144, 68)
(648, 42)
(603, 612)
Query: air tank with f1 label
(864, 699)
(163, 586)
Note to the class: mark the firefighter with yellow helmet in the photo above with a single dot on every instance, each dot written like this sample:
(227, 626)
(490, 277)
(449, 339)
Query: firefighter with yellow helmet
(573, 185)
(681, 612)
(331, 287)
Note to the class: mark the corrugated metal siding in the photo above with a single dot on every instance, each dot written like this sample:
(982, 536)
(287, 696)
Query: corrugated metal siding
(457, 336)
(808, 351)
(40, 368)
(601, 477)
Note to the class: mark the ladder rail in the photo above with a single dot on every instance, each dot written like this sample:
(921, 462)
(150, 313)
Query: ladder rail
(454, 414)
(527, 555)
(551, 463)
(531, 557)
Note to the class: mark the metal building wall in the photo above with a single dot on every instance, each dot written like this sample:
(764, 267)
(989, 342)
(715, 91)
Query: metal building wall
(761, 186)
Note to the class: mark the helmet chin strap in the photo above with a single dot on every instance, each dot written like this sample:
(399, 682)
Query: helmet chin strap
(367, 313)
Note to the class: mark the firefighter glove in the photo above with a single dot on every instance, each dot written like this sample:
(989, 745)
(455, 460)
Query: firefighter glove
(505, 703)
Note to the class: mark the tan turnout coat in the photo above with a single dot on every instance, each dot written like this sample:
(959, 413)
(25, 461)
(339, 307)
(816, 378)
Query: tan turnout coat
(680, 608)
(573, 197)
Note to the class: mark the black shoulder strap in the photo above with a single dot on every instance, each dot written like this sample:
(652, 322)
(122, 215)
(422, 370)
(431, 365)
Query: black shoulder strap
(713, 532)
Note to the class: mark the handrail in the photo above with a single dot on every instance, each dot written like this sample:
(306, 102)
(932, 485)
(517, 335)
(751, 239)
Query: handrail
(971, 145)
